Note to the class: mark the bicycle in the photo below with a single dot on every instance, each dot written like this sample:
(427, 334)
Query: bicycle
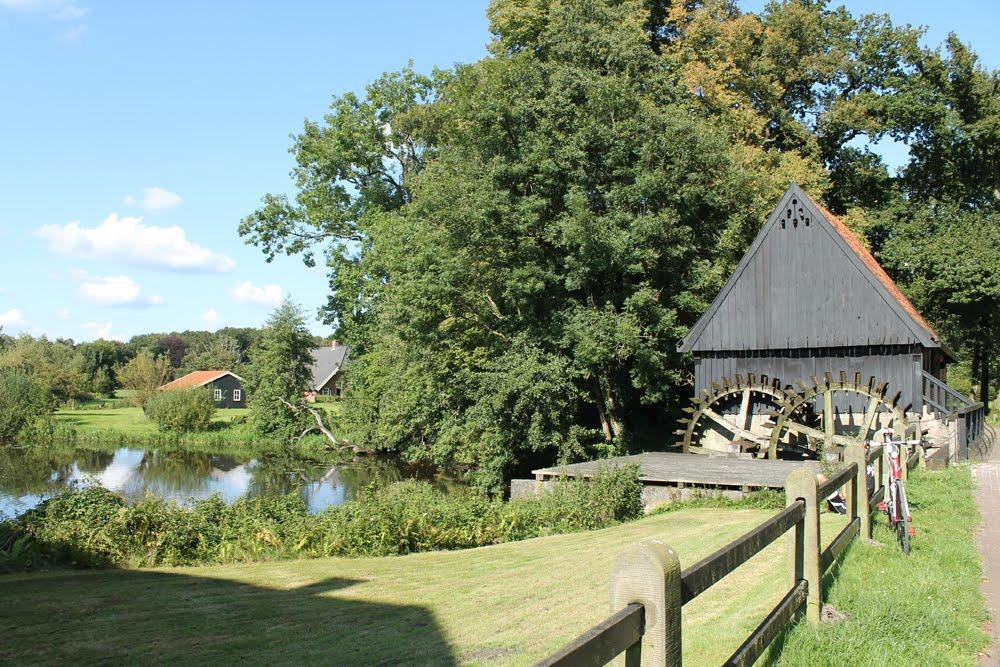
(894, 504)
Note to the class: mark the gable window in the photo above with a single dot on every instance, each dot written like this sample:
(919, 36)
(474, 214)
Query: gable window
(237, 395)
(218, 394)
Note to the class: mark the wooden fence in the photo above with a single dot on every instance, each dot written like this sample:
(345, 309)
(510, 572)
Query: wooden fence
(648, 587)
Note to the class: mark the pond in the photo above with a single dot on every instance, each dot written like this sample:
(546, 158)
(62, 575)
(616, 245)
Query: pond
(28, 475)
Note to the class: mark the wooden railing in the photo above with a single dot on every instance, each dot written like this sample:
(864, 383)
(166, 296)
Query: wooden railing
(648, 587)
(940, 397)
(969, 417)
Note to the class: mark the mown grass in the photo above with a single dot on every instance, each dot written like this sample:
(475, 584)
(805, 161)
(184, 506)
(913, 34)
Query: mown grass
(507, 604)
(925, 609)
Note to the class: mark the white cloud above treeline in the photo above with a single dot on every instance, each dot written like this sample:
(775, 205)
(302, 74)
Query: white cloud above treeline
(12, 317)
(129, 240)
(266, 295)
(154, 200)
(101, 330)
(210, 318)
(115, 291)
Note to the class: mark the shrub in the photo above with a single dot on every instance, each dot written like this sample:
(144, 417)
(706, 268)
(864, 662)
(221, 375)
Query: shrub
(182, 410)
(22, 403)
(95, 527)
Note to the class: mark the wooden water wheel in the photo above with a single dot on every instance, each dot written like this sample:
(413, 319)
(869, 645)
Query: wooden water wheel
(830, 432)
(708, 428)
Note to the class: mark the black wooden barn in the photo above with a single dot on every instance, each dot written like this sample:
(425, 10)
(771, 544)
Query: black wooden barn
(226, 386)
(808, 298)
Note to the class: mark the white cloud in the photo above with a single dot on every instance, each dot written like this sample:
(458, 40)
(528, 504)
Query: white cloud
(63, 313)
(12, 317)
(128, 240)
(61, 11)
(155, 200)
(247, 292)
(210, 318)
(101, 330)
(115, 291)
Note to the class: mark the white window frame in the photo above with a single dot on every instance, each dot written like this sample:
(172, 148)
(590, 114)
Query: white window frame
(237, 395)
(218, 394)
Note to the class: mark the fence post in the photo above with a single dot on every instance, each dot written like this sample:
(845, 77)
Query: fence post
(650, 573)
(855, 453)
(804, 546)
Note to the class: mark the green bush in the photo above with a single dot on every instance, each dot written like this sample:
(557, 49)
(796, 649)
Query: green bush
(182, 410)
(95, 527)
(22, 403)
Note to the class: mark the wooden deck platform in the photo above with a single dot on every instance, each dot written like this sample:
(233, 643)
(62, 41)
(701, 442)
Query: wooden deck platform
(690, 469)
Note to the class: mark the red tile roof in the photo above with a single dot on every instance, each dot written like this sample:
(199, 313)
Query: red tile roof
(869, 260)
(194, 379)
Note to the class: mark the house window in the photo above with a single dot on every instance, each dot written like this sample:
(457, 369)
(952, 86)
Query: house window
(237, 395)
(218, 394)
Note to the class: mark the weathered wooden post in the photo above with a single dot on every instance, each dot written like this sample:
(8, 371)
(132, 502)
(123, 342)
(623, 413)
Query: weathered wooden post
(650, 573)
(858, 488)
(804, 545)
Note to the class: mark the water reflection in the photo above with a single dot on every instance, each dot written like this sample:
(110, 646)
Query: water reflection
(29, 475)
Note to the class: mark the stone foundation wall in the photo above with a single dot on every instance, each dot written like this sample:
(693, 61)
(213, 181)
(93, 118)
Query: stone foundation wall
(653, 495)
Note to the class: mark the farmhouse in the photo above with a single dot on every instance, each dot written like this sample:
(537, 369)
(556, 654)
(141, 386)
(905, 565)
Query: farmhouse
(328, 370)
(808, 299)
(226, 386)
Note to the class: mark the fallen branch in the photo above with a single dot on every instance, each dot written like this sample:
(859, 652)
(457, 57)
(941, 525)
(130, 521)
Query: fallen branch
(321, 427)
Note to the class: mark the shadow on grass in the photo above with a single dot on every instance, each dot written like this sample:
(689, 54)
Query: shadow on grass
(118, 616)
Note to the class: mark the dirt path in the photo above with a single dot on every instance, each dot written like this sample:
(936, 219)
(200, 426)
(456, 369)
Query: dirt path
(988, 498)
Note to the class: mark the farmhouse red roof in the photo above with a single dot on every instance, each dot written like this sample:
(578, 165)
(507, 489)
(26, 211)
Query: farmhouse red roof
(869, 260)
(194, 379)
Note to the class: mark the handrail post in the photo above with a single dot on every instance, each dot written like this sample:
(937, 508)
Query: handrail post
(804, 544)
(855, 453)
(649, 573)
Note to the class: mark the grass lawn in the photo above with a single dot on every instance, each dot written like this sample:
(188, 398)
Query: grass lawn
(126, 420)
(511, 603)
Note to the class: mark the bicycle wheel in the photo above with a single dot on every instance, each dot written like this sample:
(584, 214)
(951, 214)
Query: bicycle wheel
(903, 525)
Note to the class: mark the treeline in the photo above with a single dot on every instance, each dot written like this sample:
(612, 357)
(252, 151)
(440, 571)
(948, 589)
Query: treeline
(68, 370)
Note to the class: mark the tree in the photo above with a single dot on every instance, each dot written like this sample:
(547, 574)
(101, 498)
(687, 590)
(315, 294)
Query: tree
(173, 347)
(223, 353)
(56, 367)
(280, 373)
(99, 359)
(943, 234)
(143, 375)
(22, 402)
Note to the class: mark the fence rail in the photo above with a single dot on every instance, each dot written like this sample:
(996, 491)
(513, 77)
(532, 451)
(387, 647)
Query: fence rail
(648, 588)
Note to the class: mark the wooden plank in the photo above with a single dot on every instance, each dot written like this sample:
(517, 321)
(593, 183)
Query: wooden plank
(837, 481)
(840, 542)
(876, 499)
(602, 643)
(699, 577)
(782, 615)
(671, 468)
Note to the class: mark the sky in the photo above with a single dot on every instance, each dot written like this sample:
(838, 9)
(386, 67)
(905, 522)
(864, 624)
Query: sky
(134, 136)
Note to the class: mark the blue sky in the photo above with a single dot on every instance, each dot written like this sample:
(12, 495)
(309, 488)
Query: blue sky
(135, 135)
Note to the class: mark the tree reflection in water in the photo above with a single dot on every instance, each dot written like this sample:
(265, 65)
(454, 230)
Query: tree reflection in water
(30, 474)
